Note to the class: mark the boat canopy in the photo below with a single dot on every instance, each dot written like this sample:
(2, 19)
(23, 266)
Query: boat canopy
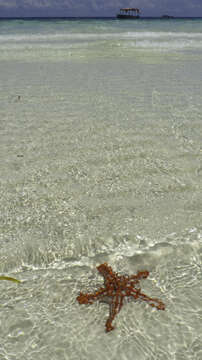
(130, 9)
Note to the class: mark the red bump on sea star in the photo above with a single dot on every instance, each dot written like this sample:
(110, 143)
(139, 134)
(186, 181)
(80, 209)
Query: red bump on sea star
(116, 288)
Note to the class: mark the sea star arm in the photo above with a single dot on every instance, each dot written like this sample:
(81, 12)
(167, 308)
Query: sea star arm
(89, 298)
(140, 275)
(114, 309)
(151, 301)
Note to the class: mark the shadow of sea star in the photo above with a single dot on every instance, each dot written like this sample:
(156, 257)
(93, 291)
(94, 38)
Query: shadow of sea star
(116, 288)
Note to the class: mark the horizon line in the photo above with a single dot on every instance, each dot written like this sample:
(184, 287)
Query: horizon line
(96, 17)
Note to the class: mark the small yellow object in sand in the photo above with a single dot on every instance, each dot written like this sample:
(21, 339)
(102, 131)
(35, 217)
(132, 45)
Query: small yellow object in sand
(9, 279)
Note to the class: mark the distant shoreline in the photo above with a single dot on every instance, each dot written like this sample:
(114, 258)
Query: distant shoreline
(97, 18)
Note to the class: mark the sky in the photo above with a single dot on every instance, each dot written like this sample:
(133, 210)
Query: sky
(24, 8)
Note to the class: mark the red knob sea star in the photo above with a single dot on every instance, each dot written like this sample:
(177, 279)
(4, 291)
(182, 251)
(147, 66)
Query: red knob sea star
(117, 287)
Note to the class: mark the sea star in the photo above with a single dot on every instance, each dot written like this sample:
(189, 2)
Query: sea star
(116, 288)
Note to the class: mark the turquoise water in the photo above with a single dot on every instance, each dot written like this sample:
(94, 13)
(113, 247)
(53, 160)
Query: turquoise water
(100, 160)
(60, 39)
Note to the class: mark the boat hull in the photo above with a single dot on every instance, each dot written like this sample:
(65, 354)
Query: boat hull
(120, 16)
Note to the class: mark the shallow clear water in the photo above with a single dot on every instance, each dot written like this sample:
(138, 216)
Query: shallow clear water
(100, 160)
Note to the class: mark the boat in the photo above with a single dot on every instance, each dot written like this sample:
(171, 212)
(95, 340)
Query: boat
(128, 13)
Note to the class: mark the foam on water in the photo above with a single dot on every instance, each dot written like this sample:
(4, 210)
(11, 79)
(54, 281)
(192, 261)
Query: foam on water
(49, 47)
(63, 36)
